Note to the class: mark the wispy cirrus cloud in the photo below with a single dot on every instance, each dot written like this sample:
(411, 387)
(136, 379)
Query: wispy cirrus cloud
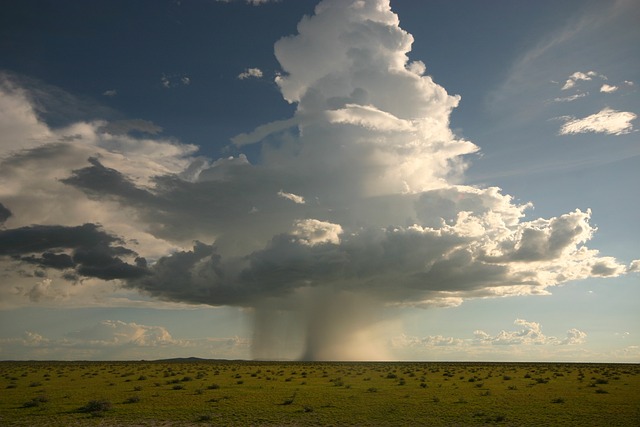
(571, 98)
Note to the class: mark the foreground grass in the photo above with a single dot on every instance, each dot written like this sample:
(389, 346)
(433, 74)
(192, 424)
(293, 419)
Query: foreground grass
(287, 393)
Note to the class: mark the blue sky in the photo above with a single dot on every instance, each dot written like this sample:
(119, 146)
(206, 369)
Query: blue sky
(377, 180)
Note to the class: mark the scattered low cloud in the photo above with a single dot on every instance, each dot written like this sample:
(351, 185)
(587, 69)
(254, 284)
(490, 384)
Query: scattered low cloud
(110, 92)
(249, 73)
(608, 88)
(293, 197)
(607, 121)
(43, 291)
(404, 341)
(115, 339)
(519, 344)
(578, 76)
(174, 80)
(115, 332)
(530, 333)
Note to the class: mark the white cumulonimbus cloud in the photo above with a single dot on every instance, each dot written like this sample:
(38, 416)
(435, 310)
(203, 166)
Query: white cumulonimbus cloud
(370, 143)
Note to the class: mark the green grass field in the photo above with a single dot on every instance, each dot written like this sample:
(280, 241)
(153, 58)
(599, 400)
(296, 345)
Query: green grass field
(307, 393)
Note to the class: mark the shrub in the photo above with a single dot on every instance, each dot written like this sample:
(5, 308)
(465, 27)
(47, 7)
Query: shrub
(96, 408)
(133, 399)
(557, 400)
(289, 400)
(36, 401)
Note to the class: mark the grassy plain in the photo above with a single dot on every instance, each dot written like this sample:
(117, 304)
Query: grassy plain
(312, 394)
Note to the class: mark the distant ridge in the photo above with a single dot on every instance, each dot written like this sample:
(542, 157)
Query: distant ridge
(197, 359)
(185, 359)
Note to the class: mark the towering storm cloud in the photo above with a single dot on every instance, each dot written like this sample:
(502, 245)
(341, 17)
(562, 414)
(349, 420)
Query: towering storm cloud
(355, 203)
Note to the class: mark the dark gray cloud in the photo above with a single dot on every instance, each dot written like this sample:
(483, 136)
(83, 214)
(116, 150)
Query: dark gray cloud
(50, 260)
(398, 265)
(40, 238)
(219, 204)
(86, 248)
(5, 213)
(102, 182)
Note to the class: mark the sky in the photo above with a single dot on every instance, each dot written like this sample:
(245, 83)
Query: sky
(320, 180)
